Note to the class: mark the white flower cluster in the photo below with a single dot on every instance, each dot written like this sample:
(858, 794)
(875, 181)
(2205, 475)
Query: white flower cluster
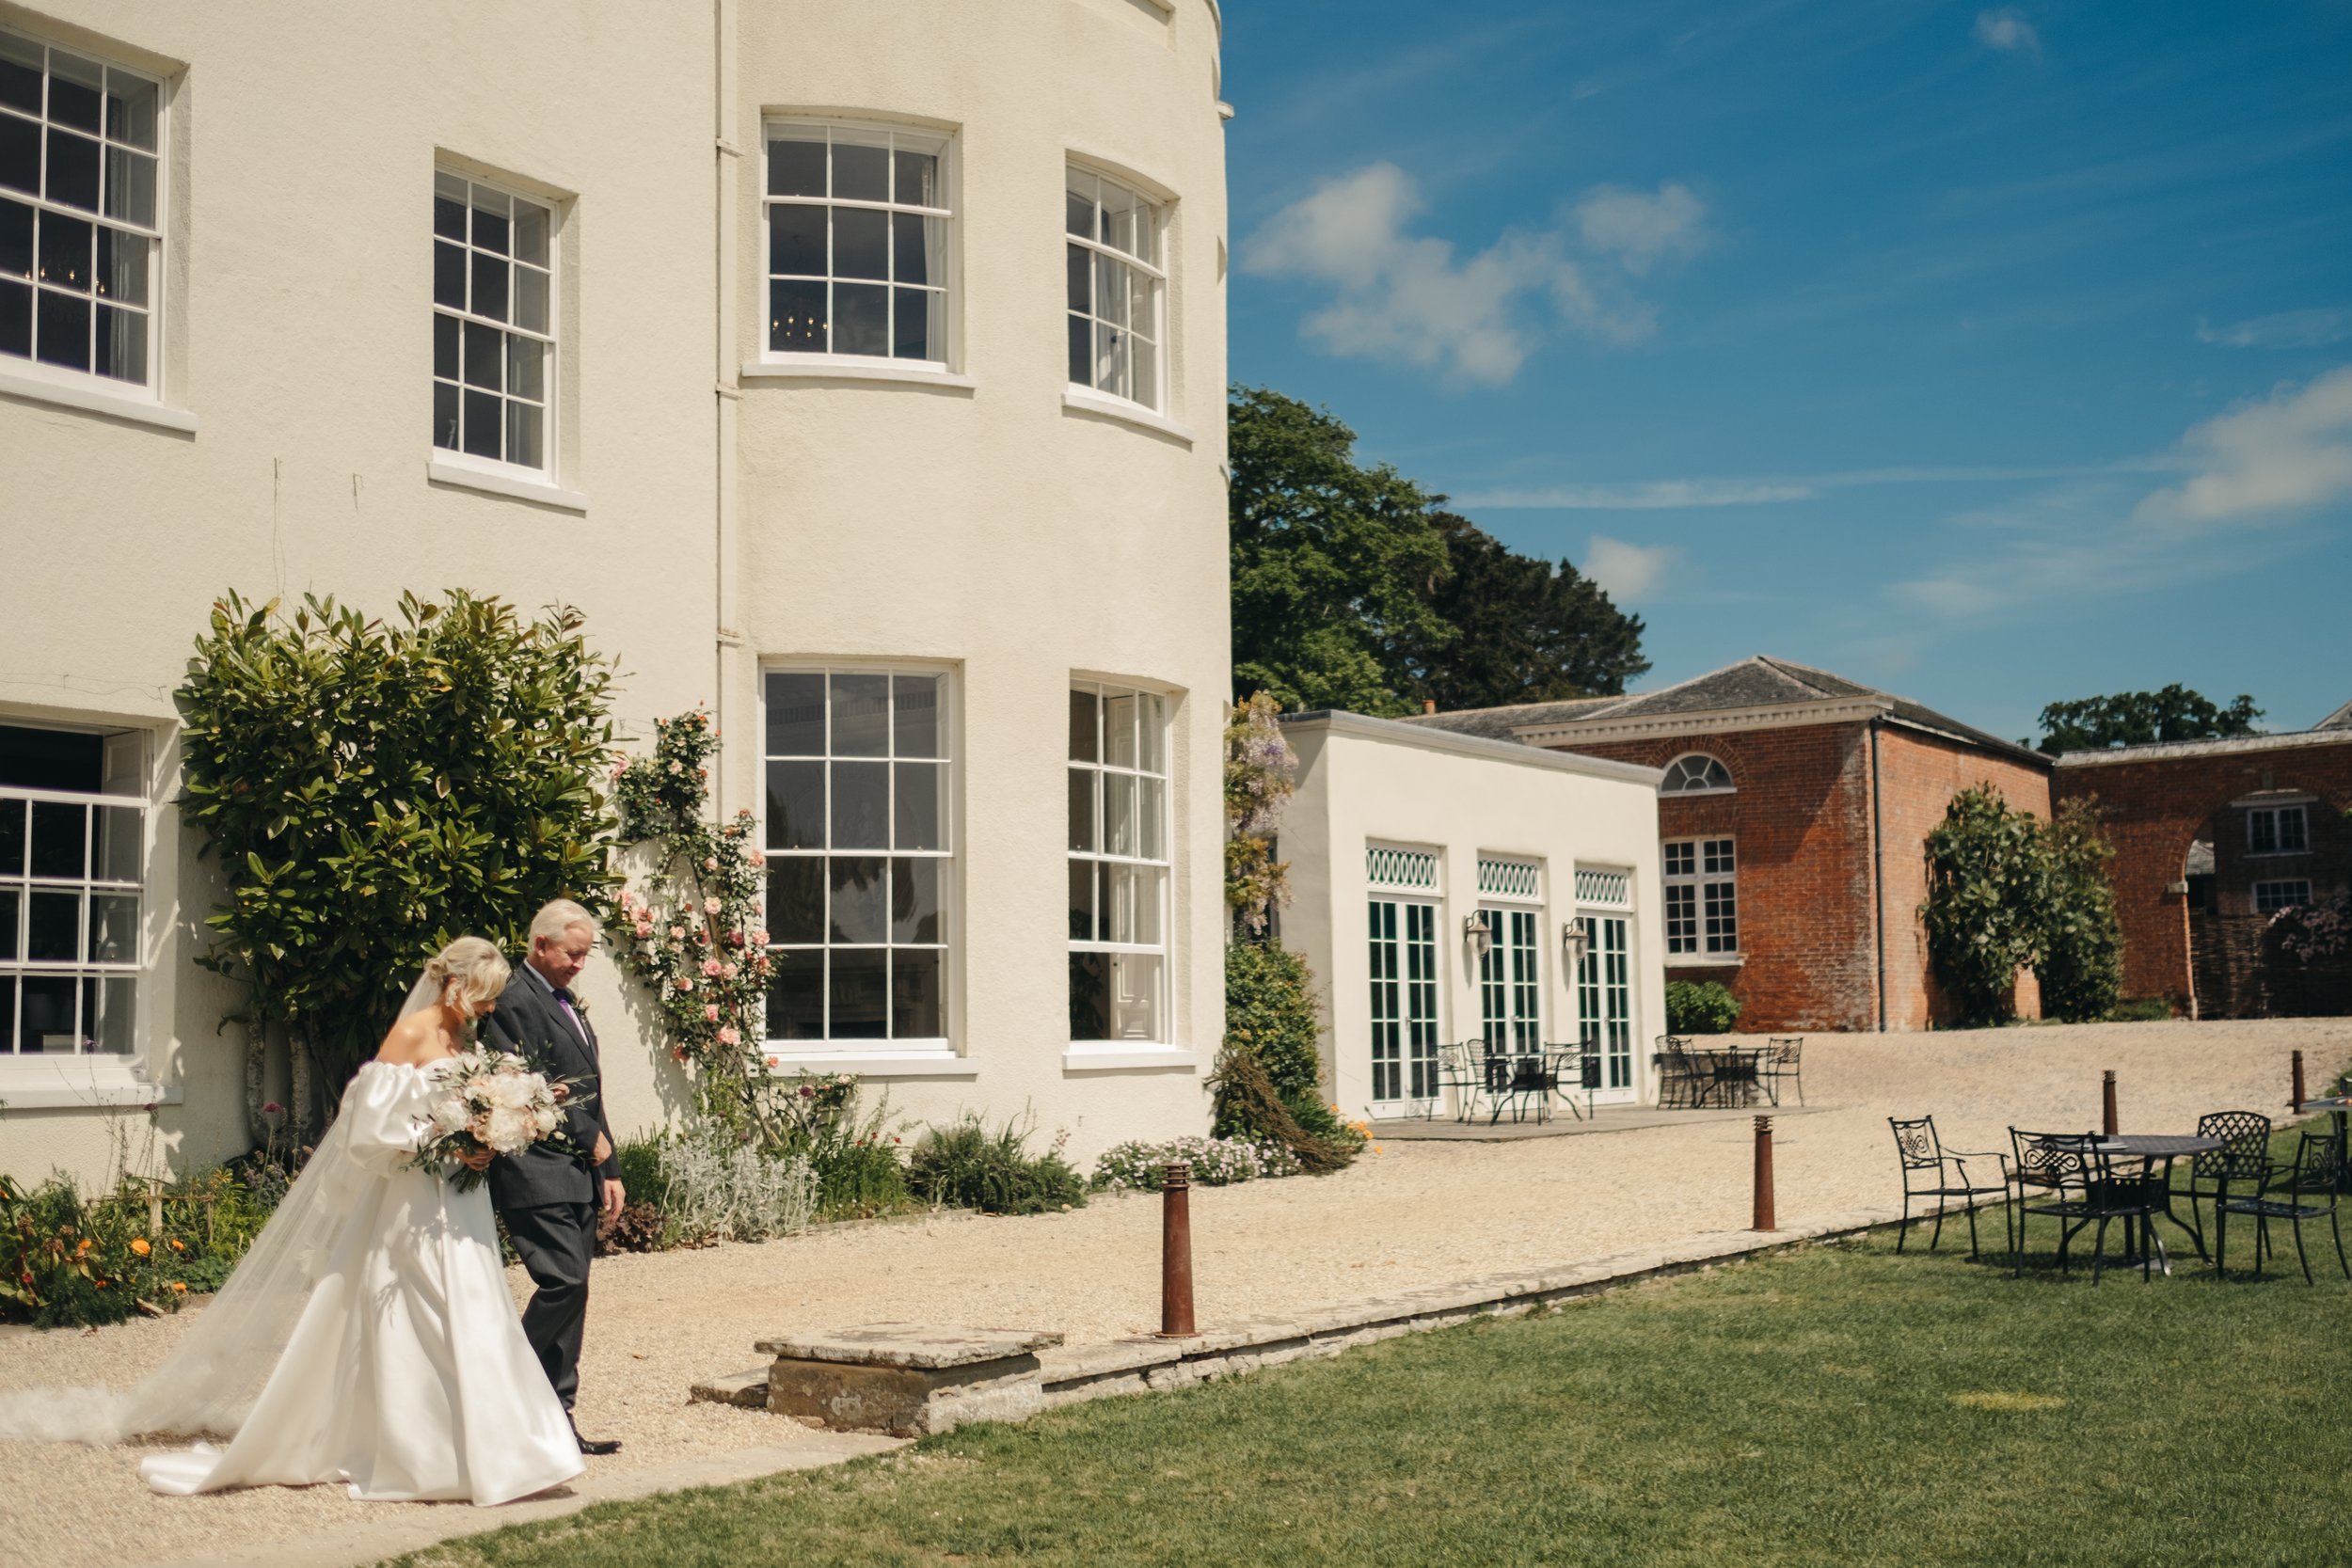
(1215, 1161)
(487, 1100)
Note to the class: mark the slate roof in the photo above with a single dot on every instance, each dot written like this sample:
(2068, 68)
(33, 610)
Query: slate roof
(2339, 720)
(1756, 682)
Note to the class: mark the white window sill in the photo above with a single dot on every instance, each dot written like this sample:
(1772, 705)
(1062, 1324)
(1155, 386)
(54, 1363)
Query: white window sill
(442, 472)
(827, 369)
(1706, 960)
(34, 1083)
(1085, 399)
(96, 398)
(873, 1064)
(1110, 1057)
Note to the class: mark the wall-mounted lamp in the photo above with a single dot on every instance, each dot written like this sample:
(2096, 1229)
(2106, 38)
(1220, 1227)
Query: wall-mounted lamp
(1477, 935)
(1574, 938)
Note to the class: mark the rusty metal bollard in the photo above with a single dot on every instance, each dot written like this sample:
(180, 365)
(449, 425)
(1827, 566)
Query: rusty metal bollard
(1763, 1215)
(2299, 1095)
(1176, 1252)
(2106, 1093)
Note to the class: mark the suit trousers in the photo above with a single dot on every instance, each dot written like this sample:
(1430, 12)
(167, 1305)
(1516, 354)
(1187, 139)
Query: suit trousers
(555, 1242)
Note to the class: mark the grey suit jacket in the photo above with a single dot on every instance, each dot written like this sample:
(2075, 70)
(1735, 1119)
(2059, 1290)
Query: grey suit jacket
(528, 1020)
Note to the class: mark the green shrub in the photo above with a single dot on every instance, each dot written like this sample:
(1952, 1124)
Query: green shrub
(1215, 1162)
(68, 1260)
(1270, 1015)
(2141, 1009)
(1987, 875)
(1700, 1007)
(964, 1165)
(855, 1153)
(2082, 961)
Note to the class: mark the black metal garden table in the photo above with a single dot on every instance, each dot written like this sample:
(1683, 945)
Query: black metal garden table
(2153, 1147)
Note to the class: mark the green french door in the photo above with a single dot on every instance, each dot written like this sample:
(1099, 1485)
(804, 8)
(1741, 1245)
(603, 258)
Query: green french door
(1510, 982)
(1604, 996)
(1403, 1004)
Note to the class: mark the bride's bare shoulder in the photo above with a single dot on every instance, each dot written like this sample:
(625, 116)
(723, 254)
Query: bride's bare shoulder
(414, 1041)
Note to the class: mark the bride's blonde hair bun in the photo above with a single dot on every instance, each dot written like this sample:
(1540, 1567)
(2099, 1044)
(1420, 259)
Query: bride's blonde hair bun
(476, 968)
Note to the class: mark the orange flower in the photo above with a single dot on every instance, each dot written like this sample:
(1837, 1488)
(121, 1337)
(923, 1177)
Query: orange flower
(138, 1244)
(177, 1246)
(179, 1289)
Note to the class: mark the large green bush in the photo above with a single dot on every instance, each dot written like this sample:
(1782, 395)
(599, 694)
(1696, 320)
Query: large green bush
(1268, 1083)
(964, 1165)
(2006, 893)
(1700, 1007)
(2082, 958)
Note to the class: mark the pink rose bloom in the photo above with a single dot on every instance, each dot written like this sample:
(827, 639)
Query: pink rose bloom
(710, 862)
(678, 933)
(711, 1014)
(645, 927)
(710, 905)
(758, 858)
(759, 938)
(678, 767)
(730, 970)
(685, 983)
(711, 968)
(731, 1035)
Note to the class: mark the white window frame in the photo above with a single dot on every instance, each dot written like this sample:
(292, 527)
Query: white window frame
(94, 384)
(460, 184)
(1408, 997)
(782, 1052)
(1102, 254)
(1701, 887)
(2268, 899)
(1696, 766)
(933, 140)
(1107, 864)
(1594, 985)
(2274, 819)
(1510, 971)
(125, 755)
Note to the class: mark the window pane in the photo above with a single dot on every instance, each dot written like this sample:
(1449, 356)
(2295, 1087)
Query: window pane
(796, 318)
(861, 243)
(114, 927)
(915, 716)
(796, 996)
(449, 207)
(1144, 371)
(796, 240)
(915, 900)
(796, 898)
(16, 319)
(915, 248)
(1082, 901)
(121, 273)
(73, 169)
(1135, 996)
(796, 715)
(449, 277)
(861, 319)
(861, 806)
(19, 155)
(526, 368)
(1085, 717)
(860, 173)
(1078, 204)
(12, 921)
(489, 220)
(1152, 721)
(20, 72)
(74, 86)
(53, 928)
(445, 416)
(48, 1014)
(12, 838)
(16, 240)
(122, 344)
(1150, 819)
(131, 186)
(530, 299)
(919, 179)
(1134, 914)
(131, 109)
(65, 251)
(489, 285)
(1110, 360)
(484, 347)
(114, 1001)
(445, 355)
(796, 805)
(919, 810)
(1081, 351)
(860, 911)
(861, 716)
(61, 326)
(1090, 996)
(58, 838)
(486, 423)
(859, 993)
(1082, 808)
(531, 234)
(1111, 291)
(121, 846)
(915, 1013)
(524, 424)
(1119, 813)
(1119, 730)
(918, 329)
(1080, 265)
(796, 167)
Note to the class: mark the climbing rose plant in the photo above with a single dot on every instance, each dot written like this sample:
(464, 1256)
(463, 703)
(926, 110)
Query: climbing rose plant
(689, 928)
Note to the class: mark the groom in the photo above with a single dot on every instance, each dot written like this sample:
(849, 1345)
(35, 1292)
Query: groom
(550, 1199)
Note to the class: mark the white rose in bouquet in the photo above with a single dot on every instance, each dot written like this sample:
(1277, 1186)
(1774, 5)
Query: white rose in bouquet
(484, 1100)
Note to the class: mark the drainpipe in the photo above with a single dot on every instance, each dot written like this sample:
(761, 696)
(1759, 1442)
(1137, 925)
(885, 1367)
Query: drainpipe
(1878, 874)
(726, 180)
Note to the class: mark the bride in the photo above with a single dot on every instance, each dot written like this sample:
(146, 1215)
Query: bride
(368, 1336)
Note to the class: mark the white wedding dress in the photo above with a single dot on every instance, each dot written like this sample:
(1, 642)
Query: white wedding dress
(367, 1337)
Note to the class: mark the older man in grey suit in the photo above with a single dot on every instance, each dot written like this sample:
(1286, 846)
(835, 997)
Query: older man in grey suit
(549, 1199)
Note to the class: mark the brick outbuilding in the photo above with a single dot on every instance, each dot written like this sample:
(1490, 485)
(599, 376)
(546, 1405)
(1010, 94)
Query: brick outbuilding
(1792, 823)
(2212, 838)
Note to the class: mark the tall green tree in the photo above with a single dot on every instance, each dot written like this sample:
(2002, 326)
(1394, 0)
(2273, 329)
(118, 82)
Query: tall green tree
(1523, 630)
(2137, 718)
(1333, 562)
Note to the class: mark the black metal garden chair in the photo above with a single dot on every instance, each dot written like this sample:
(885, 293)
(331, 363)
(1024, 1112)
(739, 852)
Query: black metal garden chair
(1461, 1068)
(1682, 1080)
(1932, 1171)
(2305, 1190)
(2046, 1174)
(2238, 1165)
(1783, 1062)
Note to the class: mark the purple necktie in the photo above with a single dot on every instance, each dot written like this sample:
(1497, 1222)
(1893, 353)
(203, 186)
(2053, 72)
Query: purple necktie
(563, 999)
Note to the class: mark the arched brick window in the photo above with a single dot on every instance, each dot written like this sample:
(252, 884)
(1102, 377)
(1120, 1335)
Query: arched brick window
(1695, 773)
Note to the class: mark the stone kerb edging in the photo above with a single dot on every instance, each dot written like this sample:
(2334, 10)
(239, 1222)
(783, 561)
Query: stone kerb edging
(1054, 1374)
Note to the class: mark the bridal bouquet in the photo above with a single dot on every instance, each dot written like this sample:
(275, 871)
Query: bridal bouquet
(486, 1100)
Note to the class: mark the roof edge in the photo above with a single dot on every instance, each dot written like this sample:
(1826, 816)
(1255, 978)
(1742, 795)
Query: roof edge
(1397, 732)
(2164, 751)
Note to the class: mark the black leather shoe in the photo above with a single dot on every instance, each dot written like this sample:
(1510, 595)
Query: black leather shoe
(595, 1446)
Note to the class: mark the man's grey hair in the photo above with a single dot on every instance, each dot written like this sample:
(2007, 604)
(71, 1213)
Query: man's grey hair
(559, 916)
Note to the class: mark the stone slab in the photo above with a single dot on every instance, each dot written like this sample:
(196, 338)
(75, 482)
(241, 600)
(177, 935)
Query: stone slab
(746, 1390)
(915, 1345)
(905, 1402)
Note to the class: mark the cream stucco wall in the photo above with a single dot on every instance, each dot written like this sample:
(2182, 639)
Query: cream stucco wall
(724, 521)
(1369, 781)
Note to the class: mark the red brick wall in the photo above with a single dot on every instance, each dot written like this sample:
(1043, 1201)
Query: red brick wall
(1801, 818)
(2154, 808)
(1920, 774)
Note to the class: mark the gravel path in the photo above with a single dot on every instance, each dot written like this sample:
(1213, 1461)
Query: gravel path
(1417, 1214)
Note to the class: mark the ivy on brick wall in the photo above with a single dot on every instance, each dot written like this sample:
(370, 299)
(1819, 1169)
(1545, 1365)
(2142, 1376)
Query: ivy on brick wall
(2007, 891)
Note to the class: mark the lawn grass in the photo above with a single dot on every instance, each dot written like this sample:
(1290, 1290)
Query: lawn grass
(1835, 1405)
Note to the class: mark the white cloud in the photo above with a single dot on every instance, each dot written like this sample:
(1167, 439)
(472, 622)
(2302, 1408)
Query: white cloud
(1627, 573)
(2289, 452)
(1408, 297)
(2287, 329)
(2008, 30)
(1640, 227)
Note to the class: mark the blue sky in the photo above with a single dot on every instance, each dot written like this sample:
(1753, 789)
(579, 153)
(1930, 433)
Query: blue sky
(1995, 354)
